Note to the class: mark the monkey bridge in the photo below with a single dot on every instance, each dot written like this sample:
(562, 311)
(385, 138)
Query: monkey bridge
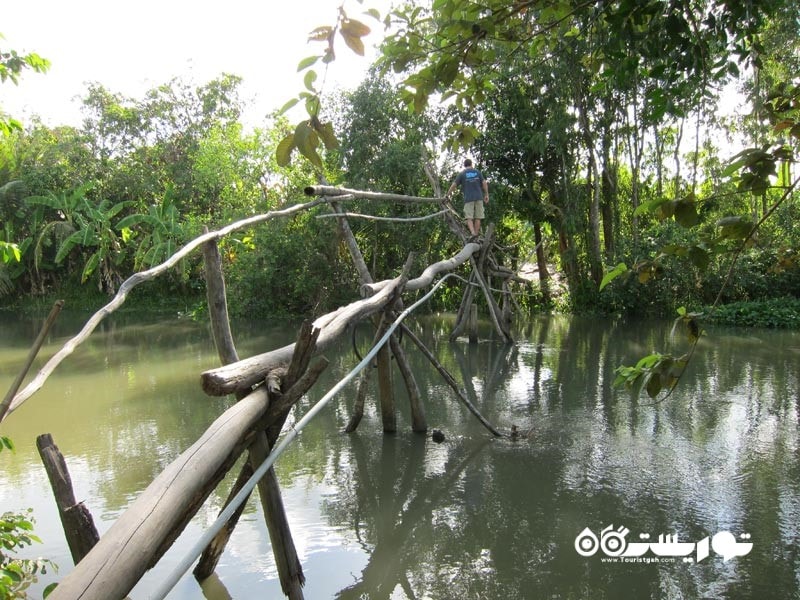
(266, 386)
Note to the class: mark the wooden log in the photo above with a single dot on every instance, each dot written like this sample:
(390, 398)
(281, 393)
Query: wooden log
(153, 521)
(76, 519)
(327, 190)
(246, 373)
(417, 411)
(226, 349)
(218, 303)
(384, 358)
(462, 316)
(358, 405)
(473, 323)
(385, 389)
(418, 422)
(449, 380)
(290, 570)
(494, 311)
(352, 245)
(425, 279)
(210, 558)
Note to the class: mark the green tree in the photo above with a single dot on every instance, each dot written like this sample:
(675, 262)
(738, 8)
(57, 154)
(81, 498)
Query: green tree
(12, 66)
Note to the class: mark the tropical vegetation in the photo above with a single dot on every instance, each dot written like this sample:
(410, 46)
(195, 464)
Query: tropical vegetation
(612, 165)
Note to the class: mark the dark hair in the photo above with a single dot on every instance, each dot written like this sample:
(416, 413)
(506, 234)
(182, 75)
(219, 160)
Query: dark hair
(468, 162)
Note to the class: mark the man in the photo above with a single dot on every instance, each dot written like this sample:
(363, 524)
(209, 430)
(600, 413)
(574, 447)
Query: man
(476, 194)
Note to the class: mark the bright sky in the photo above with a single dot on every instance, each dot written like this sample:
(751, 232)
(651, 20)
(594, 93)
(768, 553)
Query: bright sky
(130, 48)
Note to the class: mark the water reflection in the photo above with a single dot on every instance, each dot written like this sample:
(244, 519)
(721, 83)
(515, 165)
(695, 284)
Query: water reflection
(400, 516)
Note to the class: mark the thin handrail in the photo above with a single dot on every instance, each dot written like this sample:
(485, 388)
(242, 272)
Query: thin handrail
(194, 553)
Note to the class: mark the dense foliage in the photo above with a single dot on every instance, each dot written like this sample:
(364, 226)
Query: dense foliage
(598, 124)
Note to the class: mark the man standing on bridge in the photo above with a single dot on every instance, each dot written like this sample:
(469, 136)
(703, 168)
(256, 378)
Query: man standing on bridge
(476, 194)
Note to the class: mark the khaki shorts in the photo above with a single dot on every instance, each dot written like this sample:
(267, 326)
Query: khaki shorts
(473, 210)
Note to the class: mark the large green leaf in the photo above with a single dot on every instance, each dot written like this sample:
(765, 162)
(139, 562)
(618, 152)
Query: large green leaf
(283, 153)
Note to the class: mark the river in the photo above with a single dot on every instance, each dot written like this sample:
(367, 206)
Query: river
(701, 491)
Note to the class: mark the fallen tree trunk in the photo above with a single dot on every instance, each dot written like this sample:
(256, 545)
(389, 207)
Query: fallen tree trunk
(327, 190)
(135, 541)
(248, 372)
(426, 277)
(150, 525)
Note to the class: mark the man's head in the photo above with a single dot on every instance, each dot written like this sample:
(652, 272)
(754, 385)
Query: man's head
(468, 162)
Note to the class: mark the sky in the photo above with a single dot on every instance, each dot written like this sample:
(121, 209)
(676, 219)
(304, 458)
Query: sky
(130, 48)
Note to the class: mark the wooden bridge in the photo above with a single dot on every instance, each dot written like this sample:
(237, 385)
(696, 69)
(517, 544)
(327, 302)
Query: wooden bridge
(267, 386)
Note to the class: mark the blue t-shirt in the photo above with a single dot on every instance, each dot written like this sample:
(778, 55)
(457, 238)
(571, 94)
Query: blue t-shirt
(471, 182)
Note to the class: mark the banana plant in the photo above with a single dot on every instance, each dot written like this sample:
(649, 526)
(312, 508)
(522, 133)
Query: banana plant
(63, 208)
(161, 230)
(96, 233)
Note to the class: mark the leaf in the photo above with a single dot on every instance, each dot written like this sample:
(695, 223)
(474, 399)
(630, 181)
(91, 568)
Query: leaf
(699, 257)
(307, 62)
(653, 386)
(325, 131)
(306, 141)
(309, 80)
(289, 105)
(736, 228)
(90, 266)
(68, 244)
(320, 34)
(613, 274)
(685, 214)
(649, 207)
(354, 28)
(283, 153)
(353, 42)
